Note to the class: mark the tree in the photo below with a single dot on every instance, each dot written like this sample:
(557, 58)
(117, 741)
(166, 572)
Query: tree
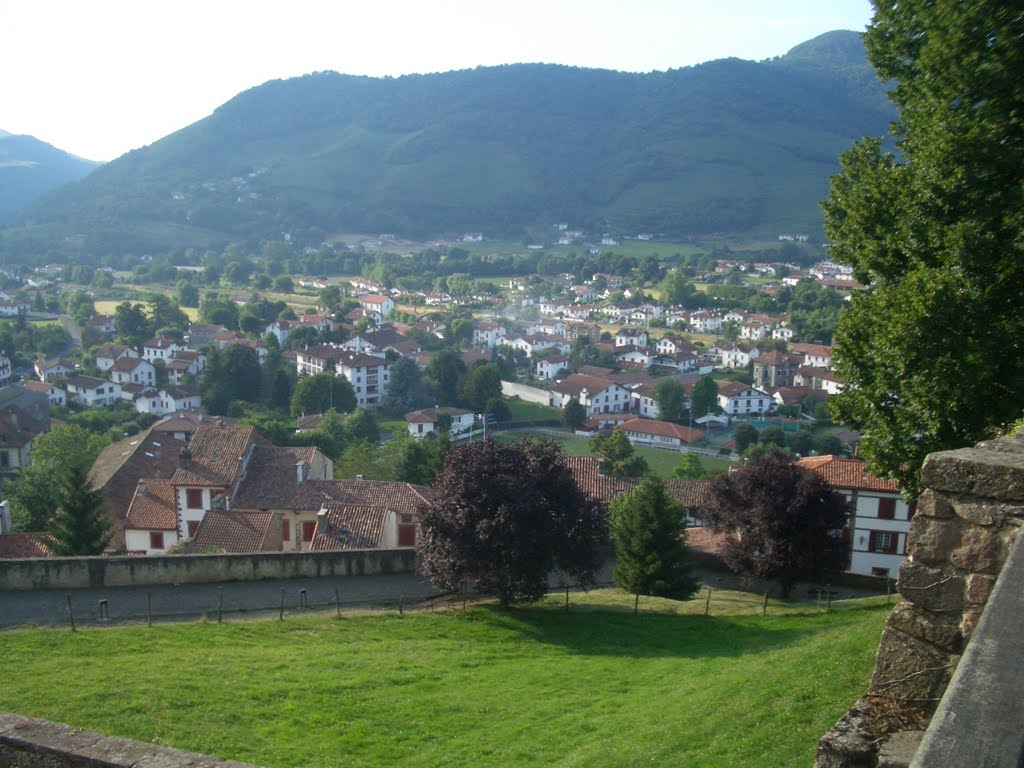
(443, 377)
(34, 493)
(704, 397)
(935, 235)
(780, 520)
(483, 383)
(574, 414)
(131, 324)
(242, 367)
(745, 435)
(689, 467)
(322, 392)
(80, 526)
(618, 459)
(505, 516)
(284, 284)
(670, 397)
(188, 294)
(648, 531)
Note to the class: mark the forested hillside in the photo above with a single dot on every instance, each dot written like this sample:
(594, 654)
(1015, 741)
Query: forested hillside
(727, 146)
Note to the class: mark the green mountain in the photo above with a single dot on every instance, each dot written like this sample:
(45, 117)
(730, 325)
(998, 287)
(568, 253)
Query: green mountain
(726, 146)
(29, 167)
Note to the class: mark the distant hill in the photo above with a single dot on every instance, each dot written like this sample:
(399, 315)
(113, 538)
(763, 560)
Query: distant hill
(29, 167)
(727, 146)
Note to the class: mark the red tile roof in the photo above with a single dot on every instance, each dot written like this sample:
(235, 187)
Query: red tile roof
(153, 506)
(215, 454)
(15, 546)
(235, 532)
(575, 384)
(350, 527)
(847, 473)
(663, 429)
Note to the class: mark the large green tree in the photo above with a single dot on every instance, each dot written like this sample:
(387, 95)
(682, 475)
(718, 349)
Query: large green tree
(932, 351)
(670, 397)
(648, 531)
(80, 525)
(618, 457)
(704, 397)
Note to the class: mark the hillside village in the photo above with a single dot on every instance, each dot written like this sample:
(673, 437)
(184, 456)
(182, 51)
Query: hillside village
(601, 345)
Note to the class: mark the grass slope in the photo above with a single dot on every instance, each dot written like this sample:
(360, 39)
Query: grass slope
(531, 686)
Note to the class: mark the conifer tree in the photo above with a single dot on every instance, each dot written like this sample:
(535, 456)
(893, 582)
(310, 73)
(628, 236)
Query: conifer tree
(80, 526)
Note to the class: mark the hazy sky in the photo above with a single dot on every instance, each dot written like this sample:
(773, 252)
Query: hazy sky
(100, 77)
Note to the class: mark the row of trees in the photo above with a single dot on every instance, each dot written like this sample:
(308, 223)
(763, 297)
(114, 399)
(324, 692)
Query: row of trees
(506, 516)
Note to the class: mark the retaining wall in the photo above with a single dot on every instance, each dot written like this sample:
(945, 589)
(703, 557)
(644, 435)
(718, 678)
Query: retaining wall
(85, 572)
(966, 526)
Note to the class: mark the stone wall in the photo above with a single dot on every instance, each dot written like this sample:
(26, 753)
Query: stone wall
(967, 520)
(85, 572)
(525, 392)
(29, 743)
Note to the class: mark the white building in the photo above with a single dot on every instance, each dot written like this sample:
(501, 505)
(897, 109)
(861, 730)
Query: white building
(595, 394)
(738, 399)
(132, 370)
(93, 392)
(424, 422)
(367, 373)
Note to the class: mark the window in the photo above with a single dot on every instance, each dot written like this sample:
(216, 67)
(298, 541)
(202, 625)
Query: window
(193, 496)
(193, 526)
(883, 541)
(308, 527)
(407, 535)
(886, 509)
(156, 540)
(286, 530)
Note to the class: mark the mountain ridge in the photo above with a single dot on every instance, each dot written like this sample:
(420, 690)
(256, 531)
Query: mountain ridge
(725, 146)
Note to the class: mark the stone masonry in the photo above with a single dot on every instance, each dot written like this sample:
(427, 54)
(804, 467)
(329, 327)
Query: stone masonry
(967, 519)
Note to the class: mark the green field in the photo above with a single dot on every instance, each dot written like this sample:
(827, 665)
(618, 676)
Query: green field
(662, 462)
(532, 686)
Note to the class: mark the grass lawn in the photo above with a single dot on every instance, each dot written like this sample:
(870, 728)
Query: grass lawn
(523, 410)
(662, 462)
(107, 307)
(532, 686)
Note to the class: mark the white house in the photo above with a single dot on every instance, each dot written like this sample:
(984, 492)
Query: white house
(132, 370)
(635, 336)
(705, 321)
(5, 369)
(109, 354)
(93, 392)
(55, 368)
(738, 399)
(595, 394)
(880, 522)
(373, 302)
(549, 367)
(815, 355)
(487, 333)
(162, 348)
(424, 422)
(739, 356)
(660, 434)
(54, 394)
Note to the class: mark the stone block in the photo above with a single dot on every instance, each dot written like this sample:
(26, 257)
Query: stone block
(849, 744)
(968, 623)
(981, 512)
(990, 472)
(978, 551)
(898, 750)
(979, 588)
(933, 540)
(932, 504)
(911, 669)
(932, 589)
(939, 629)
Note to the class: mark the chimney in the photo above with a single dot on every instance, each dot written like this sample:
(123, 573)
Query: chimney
(141, 490)
(185, 458)
(359, 477)
(323, 523)
(301, 472)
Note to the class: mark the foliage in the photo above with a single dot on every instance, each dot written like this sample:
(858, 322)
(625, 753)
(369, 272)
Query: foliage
(689, 467)
(406, 391)
(618, 458)
(131, 325)
(574, 414)
(704, 397)
(504, 516)
(745, 435)
(80, 525)
(670, 397)
(780, 520)
(67, 450)
(482, 384)
(322, 392)
(648, 531)
(444, 375)
(931, 351)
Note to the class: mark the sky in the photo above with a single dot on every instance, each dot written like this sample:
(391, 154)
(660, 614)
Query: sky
(98, 78)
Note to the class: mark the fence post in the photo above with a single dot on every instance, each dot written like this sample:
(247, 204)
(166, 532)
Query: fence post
(401, 605)
(828, 605)
(888, 591)
(149, 608)
(71, 613)
(636, 604)
(220, 604)
(337, 602)
(303, 599)
(280, 616)
(707, 603)
(566, 598)
(764, 606)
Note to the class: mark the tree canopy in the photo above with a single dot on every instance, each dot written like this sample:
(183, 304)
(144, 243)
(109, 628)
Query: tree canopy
(618, 457)
(648, 531)
(779, 520)
(932, 351)
(504, 516)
